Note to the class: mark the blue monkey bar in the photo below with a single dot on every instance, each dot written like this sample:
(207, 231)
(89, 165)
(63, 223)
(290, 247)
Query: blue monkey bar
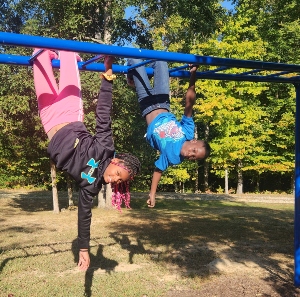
(97, 49)
(246, 70)
(209, 74)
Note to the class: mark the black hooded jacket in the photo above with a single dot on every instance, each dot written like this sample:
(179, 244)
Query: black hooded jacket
(85, 157)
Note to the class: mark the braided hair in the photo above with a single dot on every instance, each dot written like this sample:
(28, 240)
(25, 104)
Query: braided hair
(207, 149)
(121, 191)
(131, 162)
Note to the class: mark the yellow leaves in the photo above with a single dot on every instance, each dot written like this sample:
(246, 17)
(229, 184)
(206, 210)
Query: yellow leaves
(273, 167)
(175, 174)
(235, 39)
(166, 180)
(165, 36)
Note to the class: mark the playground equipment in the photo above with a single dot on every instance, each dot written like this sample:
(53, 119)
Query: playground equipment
(244, 70)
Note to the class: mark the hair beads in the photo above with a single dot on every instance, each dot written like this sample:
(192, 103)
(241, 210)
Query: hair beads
(121, 194)
(121, 191)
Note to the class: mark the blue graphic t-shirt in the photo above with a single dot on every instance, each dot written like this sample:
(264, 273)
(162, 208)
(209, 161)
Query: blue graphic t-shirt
(167, 135)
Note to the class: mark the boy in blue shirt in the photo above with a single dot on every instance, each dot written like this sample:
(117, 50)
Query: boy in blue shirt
(174, 139)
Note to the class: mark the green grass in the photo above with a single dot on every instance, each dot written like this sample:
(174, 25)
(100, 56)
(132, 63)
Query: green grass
(139, 251)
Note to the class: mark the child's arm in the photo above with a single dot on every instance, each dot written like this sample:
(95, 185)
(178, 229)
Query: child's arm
(155, 180)
(104, 105)
(190, 96)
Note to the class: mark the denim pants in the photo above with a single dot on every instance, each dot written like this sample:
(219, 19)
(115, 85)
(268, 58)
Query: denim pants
(151, 98)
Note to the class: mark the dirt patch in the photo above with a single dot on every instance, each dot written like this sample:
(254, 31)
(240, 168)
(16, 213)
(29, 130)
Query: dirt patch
(229, 276)
(237, 286)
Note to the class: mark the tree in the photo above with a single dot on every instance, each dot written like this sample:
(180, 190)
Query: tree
(232, 109)
(178, 23)
(278, 26)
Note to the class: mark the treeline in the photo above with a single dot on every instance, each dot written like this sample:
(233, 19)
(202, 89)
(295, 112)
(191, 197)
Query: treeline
(250, 126)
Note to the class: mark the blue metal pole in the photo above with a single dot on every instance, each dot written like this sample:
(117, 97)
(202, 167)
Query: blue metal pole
(33, 57)
(297, 192)
(278, 73)
(140, 64)
(85, 47)
(99, 67)
(92, 60)
(214, 70)
(179, 68)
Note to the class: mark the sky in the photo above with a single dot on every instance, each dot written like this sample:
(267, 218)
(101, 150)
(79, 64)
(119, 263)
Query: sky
(130, 10)
(226, 4)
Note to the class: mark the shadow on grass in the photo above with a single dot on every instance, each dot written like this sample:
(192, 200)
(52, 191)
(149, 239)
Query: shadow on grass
(190, 231)
(39, 201)
(98, 261)
(34, 251)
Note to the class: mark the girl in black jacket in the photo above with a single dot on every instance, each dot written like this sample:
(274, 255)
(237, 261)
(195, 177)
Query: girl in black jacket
(89, 159)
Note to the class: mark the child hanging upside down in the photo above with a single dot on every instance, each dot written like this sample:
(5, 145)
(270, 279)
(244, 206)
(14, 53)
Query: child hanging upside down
(89, 159)
(173, 139)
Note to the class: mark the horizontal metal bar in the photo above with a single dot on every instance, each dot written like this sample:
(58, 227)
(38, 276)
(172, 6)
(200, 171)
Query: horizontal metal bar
(278, 73)
(92, 60)
(140, 64)
(34, 56)
(85, 47)
(215, 70)
(250, 72)
(99, 67)
(179, 68)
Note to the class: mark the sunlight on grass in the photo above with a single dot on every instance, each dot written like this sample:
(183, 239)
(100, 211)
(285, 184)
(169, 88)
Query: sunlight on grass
(139, 251)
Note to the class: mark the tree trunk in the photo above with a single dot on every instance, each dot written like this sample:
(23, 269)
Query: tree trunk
(54, 188)
(206, 167)
(293, 183)
(107, 22)
(197, 168)
(180, 187)
(176, 187)
(196, 185)
(206, 187)
(70, 190)
(101, 197)
(108, 196)
(226, 181)
(257, 182)
(239, 188)
(105, 197)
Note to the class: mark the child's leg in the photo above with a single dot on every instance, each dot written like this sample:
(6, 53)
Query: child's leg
(141, 80)
(45, 84)
(44, 81)
(70, 86)
(161, 78)
(69, 81)
(67, 107)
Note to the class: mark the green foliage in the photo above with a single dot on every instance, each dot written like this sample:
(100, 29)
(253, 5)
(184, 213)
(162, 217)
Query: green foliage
(243, 121)
(246, 122)
(175, 25)
(175, 174)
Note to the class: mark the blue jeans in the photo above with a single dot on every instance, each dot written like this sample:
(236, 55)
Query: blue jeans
(151, 98)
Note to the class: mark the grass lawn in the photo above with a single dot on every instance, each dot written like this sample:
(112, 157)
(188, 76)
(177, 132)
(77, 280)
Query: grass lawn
(140, 252)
